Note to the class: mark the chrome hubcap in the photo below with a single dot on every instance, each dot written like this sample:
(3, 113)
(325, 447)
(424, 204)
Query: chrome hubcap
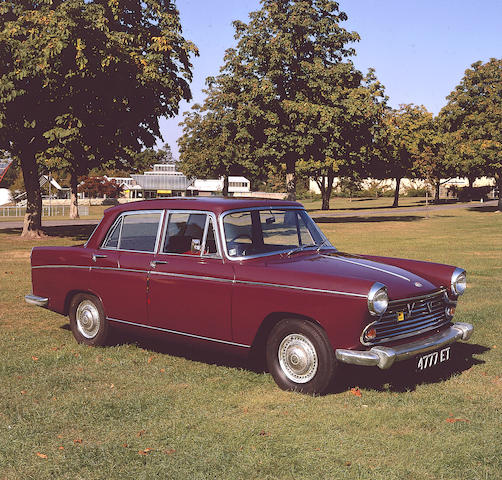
(88, 319)
(298, 358)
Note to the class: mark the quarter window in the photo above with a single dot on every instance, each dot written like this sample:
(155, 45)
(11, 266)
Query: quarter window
(137, 232)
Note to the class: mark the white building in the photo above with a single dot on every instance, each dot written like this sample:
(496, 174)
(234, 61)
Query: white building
(165, 181)
(213, 187)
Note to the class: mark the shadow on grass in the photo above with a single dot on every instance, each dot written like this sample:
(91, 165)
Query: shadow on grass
(488, 208)
(77, 232)
(403, 377)
(370, 219)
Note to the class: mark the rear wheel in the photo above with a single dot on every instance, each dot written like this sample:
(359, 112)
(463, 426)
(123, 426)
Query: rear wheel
(87, 320)
(300, 356)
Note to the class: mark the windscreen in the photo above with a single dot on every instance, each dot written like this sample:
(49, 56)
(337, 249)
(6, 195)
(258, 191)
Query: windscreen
(258, 232)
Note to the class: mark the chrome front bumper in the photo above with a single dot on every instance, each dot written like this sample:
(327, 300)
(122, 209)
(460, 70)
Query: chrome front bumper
(36, 300)
(384, 357)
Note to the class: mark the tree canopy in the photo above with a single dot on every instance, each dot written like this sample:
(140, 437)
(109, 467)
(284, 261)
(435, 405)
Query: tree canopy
(473, 121)
(85, 81)
(284, 64)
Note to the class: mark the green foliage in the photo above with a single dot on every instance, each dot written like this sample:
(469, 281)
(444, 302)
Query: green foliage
(473, 121)
(288, 68)
(215, 141)
(85, 81)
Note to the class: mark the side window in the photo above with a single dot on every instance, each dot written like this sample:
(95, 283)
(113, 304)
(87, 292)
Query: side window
(139, 232)
(184, 230)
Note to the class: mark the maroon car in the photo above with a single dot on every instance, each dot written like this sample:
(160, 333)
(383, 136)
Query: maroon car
(251, 275)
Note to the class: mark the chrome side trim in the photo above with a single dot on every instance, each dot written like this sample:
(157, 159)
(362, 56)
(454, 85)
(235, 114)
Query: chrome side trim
(368, 266)
(185, 334)
(201, 277)
(318, 290)
(384, 357)
(88, 267)
(36, 300)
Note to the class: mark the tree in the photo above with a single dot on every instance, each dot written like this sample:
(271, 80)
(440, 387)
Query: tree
(343, 126)
(216, 141)
(85, 81)
(405, 134)
(473, 122)
(280, 63)
(98, 187)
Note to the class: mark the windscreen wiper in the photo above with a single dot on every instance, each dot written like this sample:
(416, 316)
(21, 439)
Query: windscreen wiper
(300, 249)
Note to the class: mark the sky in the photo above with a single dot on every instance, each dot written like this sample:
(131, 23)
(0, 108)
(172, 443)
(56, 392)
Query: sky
(419, 49)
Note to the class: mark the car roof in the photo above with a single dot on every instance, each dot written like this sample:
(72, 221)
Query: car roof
(212, 204)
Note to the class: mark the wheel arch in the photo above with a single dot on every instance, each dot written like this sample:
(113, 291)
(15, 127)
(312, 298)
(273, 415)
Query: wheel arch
(269, 322)
(72, 293)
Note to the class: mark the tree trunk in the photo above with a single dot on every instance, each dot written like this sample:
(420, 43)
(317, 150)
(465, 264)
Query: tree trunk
(499, 185)
(291, 179)
(225, 186)
(32, 227)
(471, 181)
(437, 186)
(396, 192)
(73, 196)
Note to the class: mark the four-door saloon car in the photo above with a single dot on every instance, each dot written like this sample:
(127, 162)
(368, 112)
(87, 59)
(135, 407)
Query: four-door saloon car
(250, 275)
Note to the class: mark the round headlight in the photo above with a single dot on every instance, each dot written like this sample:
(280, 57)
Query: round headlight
(378, 300)
(458, 281)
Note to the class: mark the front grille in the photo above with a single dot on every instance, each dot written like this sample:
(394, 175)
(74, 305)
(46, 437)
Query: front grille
(408, 317)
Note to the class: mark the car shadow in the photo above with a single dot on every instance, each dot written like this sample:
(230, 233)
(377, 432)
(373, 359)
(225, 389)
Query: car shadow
(403, 377)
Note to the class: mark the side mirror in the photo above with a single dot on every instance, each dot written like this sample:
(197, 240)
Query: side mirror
(195, 246)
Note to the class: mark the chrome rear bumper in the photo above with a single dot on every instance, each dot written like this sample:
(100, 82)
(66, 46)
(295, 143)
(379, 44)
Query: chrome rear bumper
(384, 357)
(36, 300)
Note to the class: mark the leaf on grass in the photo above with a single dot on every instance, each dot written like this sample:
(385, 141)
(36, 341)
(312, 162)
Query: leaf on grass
(35, 359)
(125, 445)
(355, 391)
(146, 451)
(112, 385)
(263, 433)
(61, 447)
(140, 433)
(452, 419)
(169, 451)
(41, 455)
(23, 392)
(162, 370)
(77, 440)
(348, 464)
(150, 359)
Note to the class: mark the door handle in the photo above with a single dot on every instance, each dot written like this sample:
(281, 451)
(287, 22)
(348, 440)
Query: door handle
(154, 263)
(95, 256)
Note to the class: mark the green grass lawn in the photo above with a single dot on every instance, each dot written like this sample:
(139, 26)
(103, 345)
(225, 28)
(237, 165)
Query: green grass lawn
(145, 410)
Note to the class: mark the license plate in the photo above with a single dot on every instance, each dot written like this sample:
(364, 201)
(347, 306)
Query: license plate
(434, 358)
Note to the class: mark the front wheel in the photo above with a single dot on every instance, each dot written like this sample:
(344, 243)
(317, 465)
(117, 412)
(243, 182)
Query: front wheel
(300, 356)
(87, 320)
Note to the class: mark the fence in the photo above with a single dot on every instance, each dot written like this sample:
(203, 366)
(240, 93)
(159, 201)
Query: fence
(47, 211)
